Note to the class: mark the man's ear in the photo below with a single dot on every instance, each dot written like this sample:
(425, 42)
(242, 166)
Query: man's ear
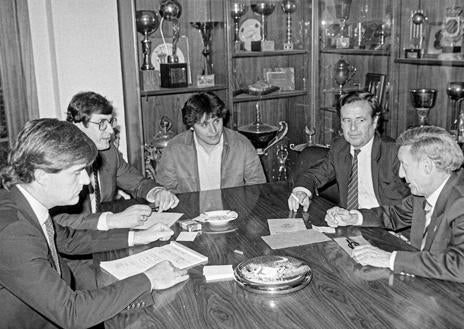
(40, 176)
(428, 165)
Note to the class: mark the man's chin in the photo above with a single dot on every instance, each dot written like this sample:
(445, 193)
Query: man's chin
(103, 146)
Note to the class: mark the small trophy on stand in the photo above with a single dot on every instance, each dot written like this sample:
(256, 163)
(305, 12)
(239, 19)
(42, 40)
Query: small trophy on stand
(263, 9)
(173, 73)
(343, 72)
(147, 22)
(342, 12)
(282, 155)
(238, 10)
(288, 7)
(416, 34)
(423, 100)
(206, 79)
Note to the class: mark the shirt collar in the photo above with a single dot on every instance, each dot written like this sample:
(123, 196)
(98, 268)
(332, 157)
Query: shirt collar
(39, 209)
(366, 149)
(432, 198)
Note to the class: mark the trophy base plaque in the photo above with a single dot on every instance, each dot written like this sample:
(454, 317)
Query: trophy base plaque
(205, 81)
(263, 45)
(288, 46)
(174, 75)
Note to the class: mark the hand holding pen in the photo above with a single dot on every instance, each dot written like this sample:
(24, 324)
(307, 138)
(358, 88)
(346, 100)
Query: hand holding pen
(298, 198)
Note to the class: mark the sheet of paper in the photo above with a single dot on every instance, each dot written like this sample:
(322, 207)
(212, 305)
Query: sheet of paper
(218, 273)
(324, 229)
(293, 239)
(285, 225)
(178, 254)
(343, 242)
(166, 218)
(187, 236)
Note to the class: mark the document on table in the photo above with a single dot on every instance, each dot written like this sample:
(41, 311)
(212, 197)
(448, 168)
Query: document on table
(285, 225)
(166, 218)
(179, 255)
(344, 242)
(293, 239)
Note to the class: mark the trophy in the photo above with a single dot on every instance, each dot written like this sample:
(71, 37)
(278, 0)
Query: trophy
(238, 10)
(423, 100)
(282, 155)
(343, 72)
(452, 34)
(173, 73)
(288, 7)
(342, 12)
(263, 9)
(455, 92)
(147, 22)
(416, 33)
(207, 77)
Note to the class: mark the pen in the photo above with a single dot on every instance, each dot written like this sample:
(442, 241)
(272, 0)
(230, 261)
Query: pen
(352, 243)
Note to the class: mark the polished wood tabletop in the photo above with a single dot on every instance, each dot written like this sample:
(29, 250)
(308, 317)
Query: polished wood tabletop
(342, 294)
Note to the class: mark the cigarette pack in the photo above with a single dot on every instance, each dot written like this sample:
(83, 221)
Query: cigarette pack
(190, 225)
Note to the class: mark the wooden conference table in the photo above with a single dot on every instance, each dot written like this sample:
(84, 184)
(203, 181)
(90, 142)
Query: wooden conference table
(342, 294)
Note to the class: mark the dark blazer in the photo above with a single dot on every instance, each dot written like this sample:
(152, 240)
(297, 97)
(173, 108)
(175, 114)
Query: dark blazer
(389, 188)
(443, 254)
(115, 173)
(33, 294)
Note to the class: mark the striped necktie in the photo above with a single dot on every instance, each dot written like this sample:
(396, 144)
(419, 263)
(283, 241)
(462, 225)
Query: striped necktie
(352, 200)
(96, 189)
(51, 238)
(428, 219)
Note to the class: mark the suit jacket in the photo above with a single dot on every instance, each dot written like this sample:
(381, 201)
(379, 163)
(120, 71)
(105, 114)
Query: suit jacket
(178, 167)
(114, 172)
(389, 188)
(443, 254)
(33, 294)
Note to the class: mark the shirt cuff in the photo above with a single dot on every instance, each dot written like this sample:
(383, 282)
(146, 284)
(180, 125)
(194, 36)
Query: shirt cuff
(359, 217)
(130, 239)
(304, 190)
(392, 260)
(102, 221)
(151, 194)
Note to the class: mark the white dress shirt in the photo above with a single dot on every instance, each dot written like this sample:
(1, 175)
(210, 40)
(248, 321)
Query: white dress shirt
(209, 165)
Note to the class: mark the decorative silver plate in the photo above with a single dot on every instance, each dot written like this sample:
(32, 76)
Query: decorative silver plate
(273, 274)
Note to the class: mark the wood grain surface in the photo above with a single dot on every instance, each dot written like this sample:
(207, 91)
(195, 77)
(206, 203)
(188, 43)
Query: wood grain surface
(342, 293)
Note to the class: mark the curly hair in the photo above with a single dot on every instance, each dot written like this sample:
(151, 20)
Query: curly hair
(84, 104)
(203, 103)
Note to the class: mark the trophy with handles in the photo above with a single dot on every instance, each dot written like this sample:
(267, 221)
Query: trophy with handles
(147, 22)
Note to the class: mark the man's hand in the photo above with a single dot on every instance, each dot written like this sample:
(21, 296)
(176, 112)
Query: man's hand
(164, 275)
(133, 216)
(337, 216)
(156, 232)
(298, 198)
(370, 255)
(163, 199)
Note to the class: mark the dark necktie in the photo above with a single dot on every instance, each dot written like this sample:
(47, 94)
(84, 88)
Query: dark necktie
(96, 189)
(352, 200)
(428, 215)
(51, 238)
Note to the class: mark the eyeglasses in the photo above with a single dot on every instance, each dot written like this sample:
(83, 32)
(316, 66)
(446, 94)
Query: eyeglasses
(103, 124)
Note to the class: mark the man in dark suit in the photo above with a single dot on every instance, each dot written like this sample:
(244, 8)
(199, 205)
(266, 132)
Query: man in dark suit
(376, 160)
(47, 168)
(93, 114)
(430, 162)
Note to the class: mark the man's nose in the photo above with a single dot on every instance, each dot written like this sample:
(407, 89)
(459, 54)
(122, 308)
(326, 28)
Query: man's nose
(353, 125)
(212, 128)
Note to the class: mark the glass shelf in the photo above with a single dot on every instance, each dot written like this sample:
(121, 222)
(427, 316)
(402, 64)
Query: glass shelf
(174, 91)
(278, 94)
(245, 54)
(429, 61)
(367, 52)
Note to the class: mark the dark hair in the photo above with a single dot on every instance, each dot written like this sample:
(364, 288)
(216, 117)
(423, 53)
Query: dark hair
(84, 104)
(47, 144)
(203, 103)
(435, 143)
(356, 96)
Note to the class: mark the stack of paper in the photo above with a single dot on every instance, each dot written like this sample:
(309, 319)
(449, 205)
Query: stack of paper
(218, 273)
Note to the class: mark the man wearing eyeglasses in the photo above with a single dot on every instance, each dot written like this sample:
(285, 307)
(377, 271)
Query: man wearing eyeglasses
(94, 115)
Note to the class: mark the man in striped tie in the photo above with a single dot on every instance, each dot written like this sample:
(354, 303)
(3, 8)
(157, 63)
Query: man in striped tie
(431, 163)
(363, 163)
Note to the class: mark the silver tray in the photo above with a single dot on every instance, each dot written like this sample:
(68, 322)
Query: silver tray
(280, 274)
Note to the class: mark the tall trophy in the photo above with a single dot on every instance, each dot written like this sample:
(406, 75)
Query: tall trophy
(147, 22)
(206, 79)
(342, 12)
(263, 9)
(237, 11)
(173, 73)
(455, 92)
(288, 7)
(423, 100)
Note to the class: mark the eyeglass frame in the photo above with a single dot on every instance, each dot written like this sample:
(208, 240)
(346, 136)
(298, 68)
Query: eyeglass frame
(103, 124)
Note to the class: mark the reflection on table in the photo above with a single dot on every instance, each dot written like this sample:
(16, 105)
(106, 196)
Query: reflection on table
(342, 293)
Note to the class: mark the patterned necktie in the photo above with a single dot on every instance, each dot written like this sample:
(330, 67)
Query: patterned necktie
(352, 200)
(428, 218)
(51, 238)
(96, 189)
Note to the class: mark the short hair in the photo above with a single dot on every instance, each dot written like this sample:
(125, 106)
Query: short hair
(356, 96)
(436, 144)
(47, 144)
(84, 104)
(203, 103)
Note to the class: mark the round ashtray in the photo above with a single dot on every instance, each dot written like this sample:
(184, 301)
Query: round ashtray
(273, 274)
